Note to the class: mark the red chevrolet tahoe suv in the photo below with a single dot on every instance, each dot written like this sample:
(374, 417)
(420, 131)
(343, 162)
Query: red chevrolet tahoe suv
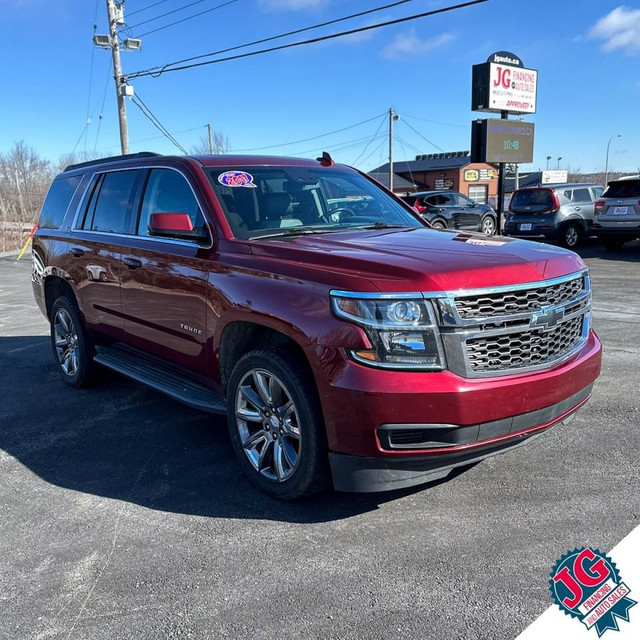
(346, 341)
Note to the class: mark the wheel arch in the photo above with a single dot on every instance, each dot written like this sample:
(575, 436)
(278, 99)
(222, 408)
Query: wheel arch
(239, 336)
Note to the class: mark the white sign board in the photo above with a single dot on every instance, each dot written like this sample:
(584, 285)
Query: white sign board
(512, 89)
(554, 177)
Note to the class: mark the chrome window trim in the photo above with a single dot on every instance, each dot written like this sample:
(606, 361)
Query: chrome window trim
(187, 243)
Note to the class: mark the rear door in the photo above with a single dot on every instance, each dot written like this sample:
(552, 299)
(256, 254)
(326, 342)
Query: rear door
(468, 213)
(440, 206)
(163, 279)
(582, 204)
(94, 250)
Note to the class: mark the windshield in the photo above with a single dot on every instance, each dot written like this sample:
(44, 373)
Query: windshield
(287, 200)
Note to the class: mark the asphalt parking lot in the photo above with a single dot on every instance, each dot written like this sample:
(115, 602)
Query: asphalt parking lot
(123, 514)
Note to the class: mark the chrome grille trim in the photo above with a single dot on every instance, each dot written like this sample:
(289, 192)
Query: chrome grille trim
(512, 340)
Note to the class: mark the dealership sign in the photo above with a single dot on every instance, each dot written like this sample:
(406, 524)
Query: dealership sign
(496, 141)
(504, 84)
(554, 177)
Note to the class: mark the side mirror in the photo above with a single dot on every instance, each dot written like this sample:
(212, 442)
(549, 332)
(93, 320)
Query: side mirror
(175, 225)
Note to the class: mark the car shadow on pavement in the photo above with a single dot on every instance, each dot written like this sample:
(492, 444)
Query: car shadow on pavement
(123, 441)
(592, 249)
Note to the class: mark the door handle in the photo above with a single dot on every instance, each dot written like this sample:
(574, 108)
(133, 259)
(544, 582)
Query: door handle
(76, 251)
(578, 208)
(132, 263)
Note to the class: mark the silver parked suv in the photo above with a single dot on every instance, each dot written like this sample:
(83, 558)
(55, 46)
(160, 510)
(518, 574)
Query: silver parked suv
(617, 213)
(562, 212)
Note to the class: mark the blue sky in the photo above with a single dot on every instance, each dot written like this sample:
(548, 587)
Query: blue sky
(586, 51)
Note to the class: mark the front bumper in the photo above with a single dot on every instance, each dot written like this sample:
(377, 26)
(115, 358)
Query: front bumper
(481, 417)
(366, 475)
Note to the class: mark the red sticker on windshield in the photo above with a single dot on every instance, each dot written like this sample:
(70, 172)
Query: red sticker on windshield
(236, 179)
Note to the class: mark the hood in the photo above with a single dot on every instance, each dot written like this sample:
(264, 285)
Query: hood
(423, 259)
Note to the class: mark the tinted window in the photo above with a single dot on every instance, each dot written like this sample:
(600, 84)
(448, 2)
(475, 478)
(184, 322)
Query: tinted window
(581, 195)
(111, 202)
(167, 191)
(436, 201)
(532, 200)
(461, 201)
(623, 189)
(57, 202)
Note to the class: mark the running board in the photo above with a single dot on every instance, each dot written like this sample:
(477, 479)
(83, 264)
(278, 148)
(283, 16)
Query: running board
(161, 379)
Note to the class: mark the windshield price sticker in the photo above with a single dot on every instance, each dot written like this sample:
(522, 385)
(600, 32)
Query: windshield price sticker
(237, 179)
(586, 584)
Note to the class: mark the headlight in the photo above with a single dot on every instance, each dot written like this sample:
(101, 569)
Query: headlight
(403, 332)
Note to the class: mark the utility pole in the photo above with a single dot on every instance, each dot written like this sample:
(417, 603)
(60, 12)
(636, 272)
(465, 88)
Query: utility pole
(392, 116)
(117, 71)
(210, 140)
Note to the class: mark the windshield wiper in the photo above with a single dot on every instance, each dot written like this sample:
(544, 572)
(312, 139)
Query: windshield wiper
(382, 225)
(296, 231)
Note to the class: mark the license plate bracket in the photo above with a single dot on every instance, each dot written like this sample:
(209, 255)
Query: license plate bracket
(525, 227)
(620, 211)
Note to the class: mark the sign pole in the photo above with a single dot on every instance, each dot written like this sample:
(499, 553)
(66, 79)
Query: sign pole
(504, 115)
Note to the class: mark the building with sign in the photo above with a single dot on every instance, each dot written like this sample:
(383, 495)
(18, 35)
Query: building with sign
(446, 171)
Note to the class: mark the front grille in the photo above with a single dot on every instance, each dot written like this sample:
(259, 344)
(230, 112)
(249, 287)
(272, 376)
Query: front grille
(523, 301)
(523, 348)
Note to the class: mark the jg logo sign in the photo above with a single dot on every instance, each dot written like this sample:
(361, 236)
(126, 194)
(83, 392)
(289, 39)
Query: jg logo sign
(586, 585)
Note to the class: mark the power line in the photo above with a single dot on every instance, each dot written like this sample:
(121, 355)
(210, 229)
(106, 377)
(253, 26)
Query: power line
(292, 33)
(164, 69)
(149, 6)
(375, 135)
(340, 146)
(104, 98)
(323, 135)
(444, 124)
(137, 100)
(168, 13)
(195, 15)
(433, 144)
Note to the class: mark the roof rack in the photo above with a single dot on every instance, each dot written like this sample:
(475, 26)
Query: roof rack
(128, 156)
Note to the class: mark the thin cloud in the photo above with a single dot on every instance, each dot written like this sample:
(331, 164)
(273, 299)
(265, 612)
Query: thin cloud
(619, 29)
(410, 44)
(292, 5)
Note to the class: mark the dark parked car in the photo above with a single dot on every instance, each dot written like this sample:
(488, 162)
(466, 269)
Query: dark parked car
(344, 340)
(617, 213)
(561, 212)
(452, 210)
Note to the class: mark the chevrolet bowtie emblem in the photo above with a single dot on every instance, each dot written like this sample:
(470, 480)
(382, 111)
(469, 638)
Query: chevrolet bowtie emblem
(547, 318)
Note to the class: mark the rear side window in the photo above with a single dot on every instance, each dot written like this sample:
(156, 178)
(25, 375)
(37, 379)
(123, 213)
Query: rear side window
(623, 189)
(167, 191)
(57, 202)
(581, 195)
(108, 209)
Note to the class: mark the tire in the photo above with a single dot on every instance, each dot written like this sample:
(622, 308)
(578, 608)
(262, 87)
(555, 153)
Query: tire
(73, 350)
(571, 235)
(488, 226)
(438, 225)
(612, 244)
(282, 448)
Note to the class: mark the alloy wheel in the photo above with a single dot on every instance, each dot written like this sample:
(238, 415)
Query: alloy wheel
(268, 424)
(66, 342)
(571, 236)
(488, 226)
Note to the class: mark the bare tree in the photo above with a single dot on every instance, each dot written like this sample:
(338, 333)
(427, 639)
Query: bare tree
(220, 144)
